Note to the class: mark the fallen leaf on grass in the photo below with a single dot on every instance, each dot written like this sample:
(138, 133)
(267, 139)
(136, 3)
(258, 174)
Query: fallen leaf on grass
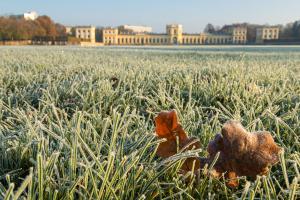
(115, 81)
(242, 153)
(167, 127)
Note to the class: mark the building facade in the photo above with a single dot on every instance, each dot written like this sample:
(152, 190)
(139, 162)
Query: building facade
(32, 15)
(86, 33)
(238, 33)
(267, 33)
(69, 30)
(134, 29)
(174, 36)
(110, 36)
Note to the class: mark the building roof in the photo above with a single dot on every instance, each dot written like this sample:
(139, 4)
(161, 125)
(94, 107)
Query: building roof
(137, 29)
(268, 27)
(84, 26)
(142, 33)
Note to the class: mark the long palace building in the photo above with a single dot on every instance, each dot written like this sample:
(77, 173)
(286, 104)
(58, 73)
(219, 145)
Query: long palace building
(174, 36)
(141, 35)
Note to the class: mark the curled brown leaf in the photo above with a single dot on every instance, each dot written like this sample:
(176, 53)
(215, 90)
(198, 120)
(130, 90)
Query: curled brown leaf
(243, 153)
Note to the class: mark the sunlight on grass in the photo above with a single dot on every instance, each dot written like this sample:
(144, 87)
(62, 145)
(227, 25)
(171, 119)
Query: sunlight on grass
(68, 132)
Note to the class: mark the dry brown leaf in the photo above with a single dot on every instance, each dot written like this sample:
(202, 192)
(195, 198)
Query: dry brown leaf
(242, 153)
(114, 81)
(167, 127)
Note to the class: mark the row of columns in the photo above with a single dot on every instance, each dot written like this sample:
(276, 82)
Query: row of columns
(164, 41)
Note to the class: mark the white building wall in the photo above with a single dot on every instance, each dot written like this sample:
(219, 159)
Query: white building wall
(30, 15)
(86, 33)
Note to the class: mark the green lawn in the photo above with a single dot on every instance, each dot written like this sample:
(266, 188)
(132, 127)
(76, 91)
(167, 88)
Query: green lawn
(67, 131)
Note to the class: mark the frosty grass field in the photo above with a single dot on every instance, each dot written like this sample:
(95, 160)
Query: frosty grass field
(77, 123)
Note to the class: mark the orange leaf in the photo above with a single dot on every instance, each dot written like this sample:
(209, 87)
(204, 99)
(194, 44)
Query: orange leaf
(167, 127)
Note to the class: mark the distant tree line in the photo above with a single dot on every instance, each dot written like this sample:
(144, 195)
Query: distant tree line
(17, 28)
(291, 31)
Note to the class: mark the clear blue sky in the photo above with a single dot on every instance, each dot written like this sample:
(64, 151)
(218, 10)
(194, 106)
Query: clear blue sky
(192, 14)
